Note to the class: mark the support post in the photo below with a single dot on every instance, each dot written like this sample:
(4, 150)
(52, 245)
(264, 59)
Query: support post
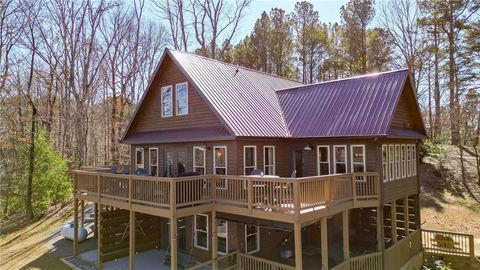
(82, 213)
(95, 220)
(131, 250)
(75, 227)
(99, 238)
(297, 228)
(173, 242)
(323, 228)
(214, 241)
(406, 216)
(346, 239)
(379, 229)
(393, 219)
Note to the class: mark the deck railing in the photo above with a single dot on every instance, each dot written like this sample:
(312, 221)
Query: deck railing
(284, 195)
(371, 261)
(249, 262)
(448, 243)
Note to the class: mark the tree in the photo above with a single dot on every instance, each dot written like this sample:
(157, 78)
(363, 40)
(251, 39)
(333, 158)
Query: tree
(174, 12)
(379, 51)
(281, 43)
(260, 40)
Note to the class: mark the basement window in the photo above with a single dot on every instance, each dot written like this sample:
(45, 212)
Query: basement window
(201, 231)
(252, 239)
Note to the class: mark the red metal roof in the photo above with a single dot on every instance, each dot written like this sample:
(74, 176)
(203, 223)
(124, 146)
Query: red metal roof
(358, 106)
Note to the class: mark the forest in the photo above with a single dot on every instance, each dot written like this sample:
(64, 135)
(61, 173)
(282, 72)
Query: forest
(72, 72)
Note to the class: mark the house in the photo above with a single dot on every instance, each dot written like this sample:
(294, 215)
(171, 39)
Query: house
(238, 168)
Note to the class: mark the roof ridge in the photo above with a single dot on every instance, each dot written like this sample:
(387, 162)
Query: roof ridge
(343, 79)
(236, 65)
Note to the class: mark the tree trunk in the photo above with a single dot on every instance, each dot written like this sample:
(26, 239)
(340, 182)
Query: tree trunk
(31, 161)
(437, 97)
(453, 102)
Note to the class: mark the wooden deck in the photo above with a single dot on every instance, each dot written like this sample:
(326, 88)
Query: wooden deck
(281, 199)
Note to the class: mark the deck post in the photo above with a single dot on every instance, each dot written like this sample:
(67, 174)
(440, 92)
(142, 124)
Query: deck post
(131, 250)
(354, 188)
(346, 240)
(393, 220)
(214, 241)
(297, 228)
(95, 220)
(82, 213)
(323, 228)
(173, 242)
(379, 229)
(75, 227)
(99, 238)
(406, 217)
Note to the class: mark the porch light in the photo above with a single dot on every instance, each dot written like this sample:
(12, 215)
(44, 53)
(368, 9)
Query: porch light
(307, 147)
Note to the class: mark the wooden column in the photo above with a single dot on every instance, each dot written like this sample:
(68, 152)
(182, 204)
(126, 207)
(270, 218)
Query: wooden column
(95, 220)
(297, 230)
(346, 237)
(131, 250)
(173, 242)
(214, 241)
(75, 227)
(99, 238)
(406, 217)
(324, 232)
(82, 213)
(379, 229)
(393, 218)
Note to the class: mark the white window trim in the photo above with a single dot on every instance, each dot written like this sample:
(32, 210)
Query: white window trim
(264, 160)
(403, 159)
(409, 160)
(351, 157)
(391, 162)
(171, 100)
(254, 157)
(257, 234)
(176, 98)
(398, 163)
(204, 159)
(385, 162)
(318, 158)
(226, 159)
(414, 160)
(137, 165)
(208, 233)
(226, 238)
(150, 160)
(335, 158)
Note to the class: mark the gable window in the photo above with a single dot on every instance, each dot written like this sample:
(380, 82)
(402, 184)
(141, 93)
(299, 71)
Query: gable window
(340, 156)
(404, 158)
(153, 160)
(269, 160)
(199, 159)
(398, 172)
(249, 159)
(391, 162)
(139, 155)
(222, 236)
(385, 162)
(252, 239)
(323, 159)
(181, 99)
(201, 231)
(358, 158)
(166, 93)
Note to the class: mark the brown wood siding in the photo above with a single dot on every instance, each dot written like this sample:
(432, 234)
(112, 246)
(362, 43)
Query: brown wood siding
(405, 116)
(398, 189)
(149, 115)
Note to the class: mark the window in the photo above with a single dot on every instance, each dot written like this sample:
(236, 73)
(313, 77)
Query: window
(169, 172)
(391, 162)
(358, 158)
(404, 158)
(181, 163)
(220, 160)
(153, 159)
(409, 160)
(340, 155)
(384, 162)
(252, 239)
(139, 154)
(166, 93)
(201, 231)
(414, 160)
(222, 236)
(323, 159)
(181, 98)
(199, 159)
(398, 171)
(249, 159)
(269, 160)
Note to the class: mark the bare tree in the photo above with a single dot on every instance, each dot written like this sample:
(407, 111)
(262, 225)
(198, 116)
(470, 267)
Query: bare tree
(174, 12)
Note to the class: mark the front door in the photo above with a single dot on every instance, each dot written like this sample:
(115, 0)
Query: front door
(175, 162)
(298, 162)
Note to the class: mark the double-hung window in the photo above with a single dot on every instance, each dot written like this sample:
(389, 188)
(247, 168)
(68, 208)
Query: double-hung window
(340, 155)
(385, 162)
(249, 159)
(398, 172)
(323, 159)
(269, 160)
(220, 164)
(153, 160)
(201, 231)
(404, 161)
(166, 94)
(181, 98)
(139, 155)
(358, 158)
(222, 236)
(252, 239)
(414, 160)
(199, 159)
(409, 161)
(391, 162)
